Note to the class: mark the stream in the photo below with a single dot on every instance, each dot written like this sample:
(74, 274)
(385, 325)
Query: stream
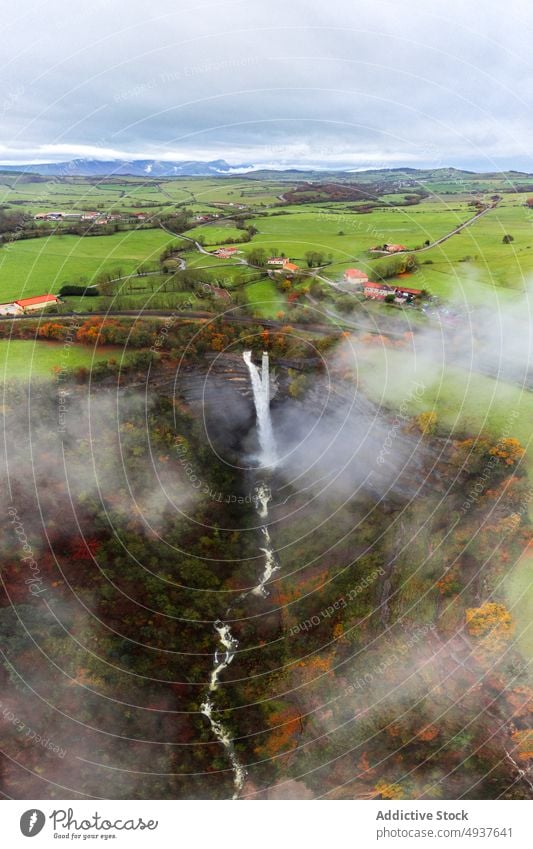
(228, 644)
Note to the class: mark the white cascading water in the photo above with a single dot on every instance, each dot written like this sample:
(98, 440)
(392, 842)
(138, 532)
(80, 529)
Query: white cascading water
(261, 390)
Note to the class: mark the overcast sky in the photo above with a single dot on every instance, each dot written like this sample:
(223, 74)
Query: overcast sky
(316, 82)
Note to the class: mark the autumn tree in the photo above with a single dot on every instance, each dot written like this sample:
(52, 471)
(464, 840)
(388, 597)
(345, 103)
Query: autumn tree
(491, 624)
(426, 423)
(389, 791)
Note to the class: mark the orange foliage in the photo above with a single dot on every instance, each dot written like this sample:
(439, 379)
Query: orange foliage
(315, 666)
(84, 549)
(523, 741)
(491, 623)
(303, 587)
(430, 732)
(449, 583)
(509, 450)
(426, 423)
(389, 791)
(286, 724)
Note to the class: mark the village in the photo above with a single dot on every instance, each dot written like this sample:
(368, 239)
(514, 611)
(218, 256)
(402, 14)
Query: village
(90, 217)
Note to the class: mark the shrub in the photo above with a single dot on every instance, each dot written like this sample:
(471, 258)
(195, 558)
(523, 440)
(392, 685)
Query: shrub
(70, 289)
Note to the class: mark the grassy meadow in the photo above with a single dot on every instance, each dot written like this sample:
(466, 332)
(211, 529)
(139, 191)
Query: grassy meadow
(38, 266)
(22, 359)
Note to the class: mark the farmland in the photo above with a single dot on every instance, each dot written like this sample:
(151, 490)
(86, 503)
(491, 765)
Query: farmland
(470, 266)
(182, 316)
(36, 266)
(22, 360)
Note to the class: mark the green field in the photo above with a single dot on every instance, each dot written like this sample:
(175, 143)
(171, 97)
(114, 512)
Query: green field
(471, 267)
(519, 591)
(265, 298)
(22, 360)
(39, 266)
(214, 234)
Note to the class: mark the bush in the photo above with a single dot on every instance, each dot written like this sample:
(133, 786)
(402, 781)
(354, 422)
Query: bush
(69, 289)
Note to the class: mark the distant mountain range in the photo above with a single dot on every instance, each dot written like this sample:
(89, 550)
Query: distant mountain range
(154, 168)
(135, 168)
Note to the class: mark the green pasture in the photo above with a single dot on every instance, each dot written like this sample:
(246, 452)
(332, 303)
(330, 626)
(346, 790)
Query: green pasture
(37, 266)
(21, 359)
(214, 234)
(265, 299)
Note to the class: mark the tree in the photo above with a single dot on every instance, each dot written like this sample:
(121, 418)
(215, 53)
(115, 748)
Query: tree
(257, 256)
(508, 450)
(507, 239)
(491, 624)
(426, 422)
(389, 791)
(314, 258)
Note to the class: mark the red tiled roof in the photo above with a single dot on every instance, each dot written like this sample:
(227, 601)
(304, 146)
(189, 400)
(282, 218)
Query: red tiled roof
(355, 272)
(410, 291)
(40, 299)
(290, 266)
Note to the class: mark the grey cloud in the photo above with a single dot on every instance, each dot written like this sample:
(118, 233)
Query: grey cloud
(443, 83)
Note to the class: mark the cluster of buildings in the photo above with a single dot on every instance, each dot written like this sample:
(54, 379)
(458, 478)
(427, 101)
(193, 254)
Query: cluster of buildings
(390, 248)
(203, 219)
(281, 263)
(91, 217)
(358, 281)
(26, 306)
(225, 253)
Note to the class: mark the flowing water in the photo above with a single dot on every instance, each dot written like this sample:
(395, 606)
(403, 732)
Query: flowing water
(261, 389)
(223, 658)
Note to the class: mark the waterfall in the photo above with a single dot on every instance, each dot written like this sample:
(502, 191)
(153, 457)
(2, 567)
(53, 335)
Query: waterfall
(263, 495)
(261, 390)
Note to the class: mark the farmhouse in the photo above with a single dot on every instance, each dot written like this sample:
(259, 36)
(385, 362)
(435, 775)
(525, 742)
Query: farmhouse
(402, 294)
(377, 291)
(276, 260)
(405, 294)
(48, 216)
(225, 253)
(355, 276)
(10, 309)
(394, 249)
(290, 266)
(38, 303)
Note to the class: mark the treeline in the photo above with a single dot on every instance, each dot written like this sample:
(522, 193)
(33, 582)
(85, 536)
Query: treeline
(170, 336)
(392, 266)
